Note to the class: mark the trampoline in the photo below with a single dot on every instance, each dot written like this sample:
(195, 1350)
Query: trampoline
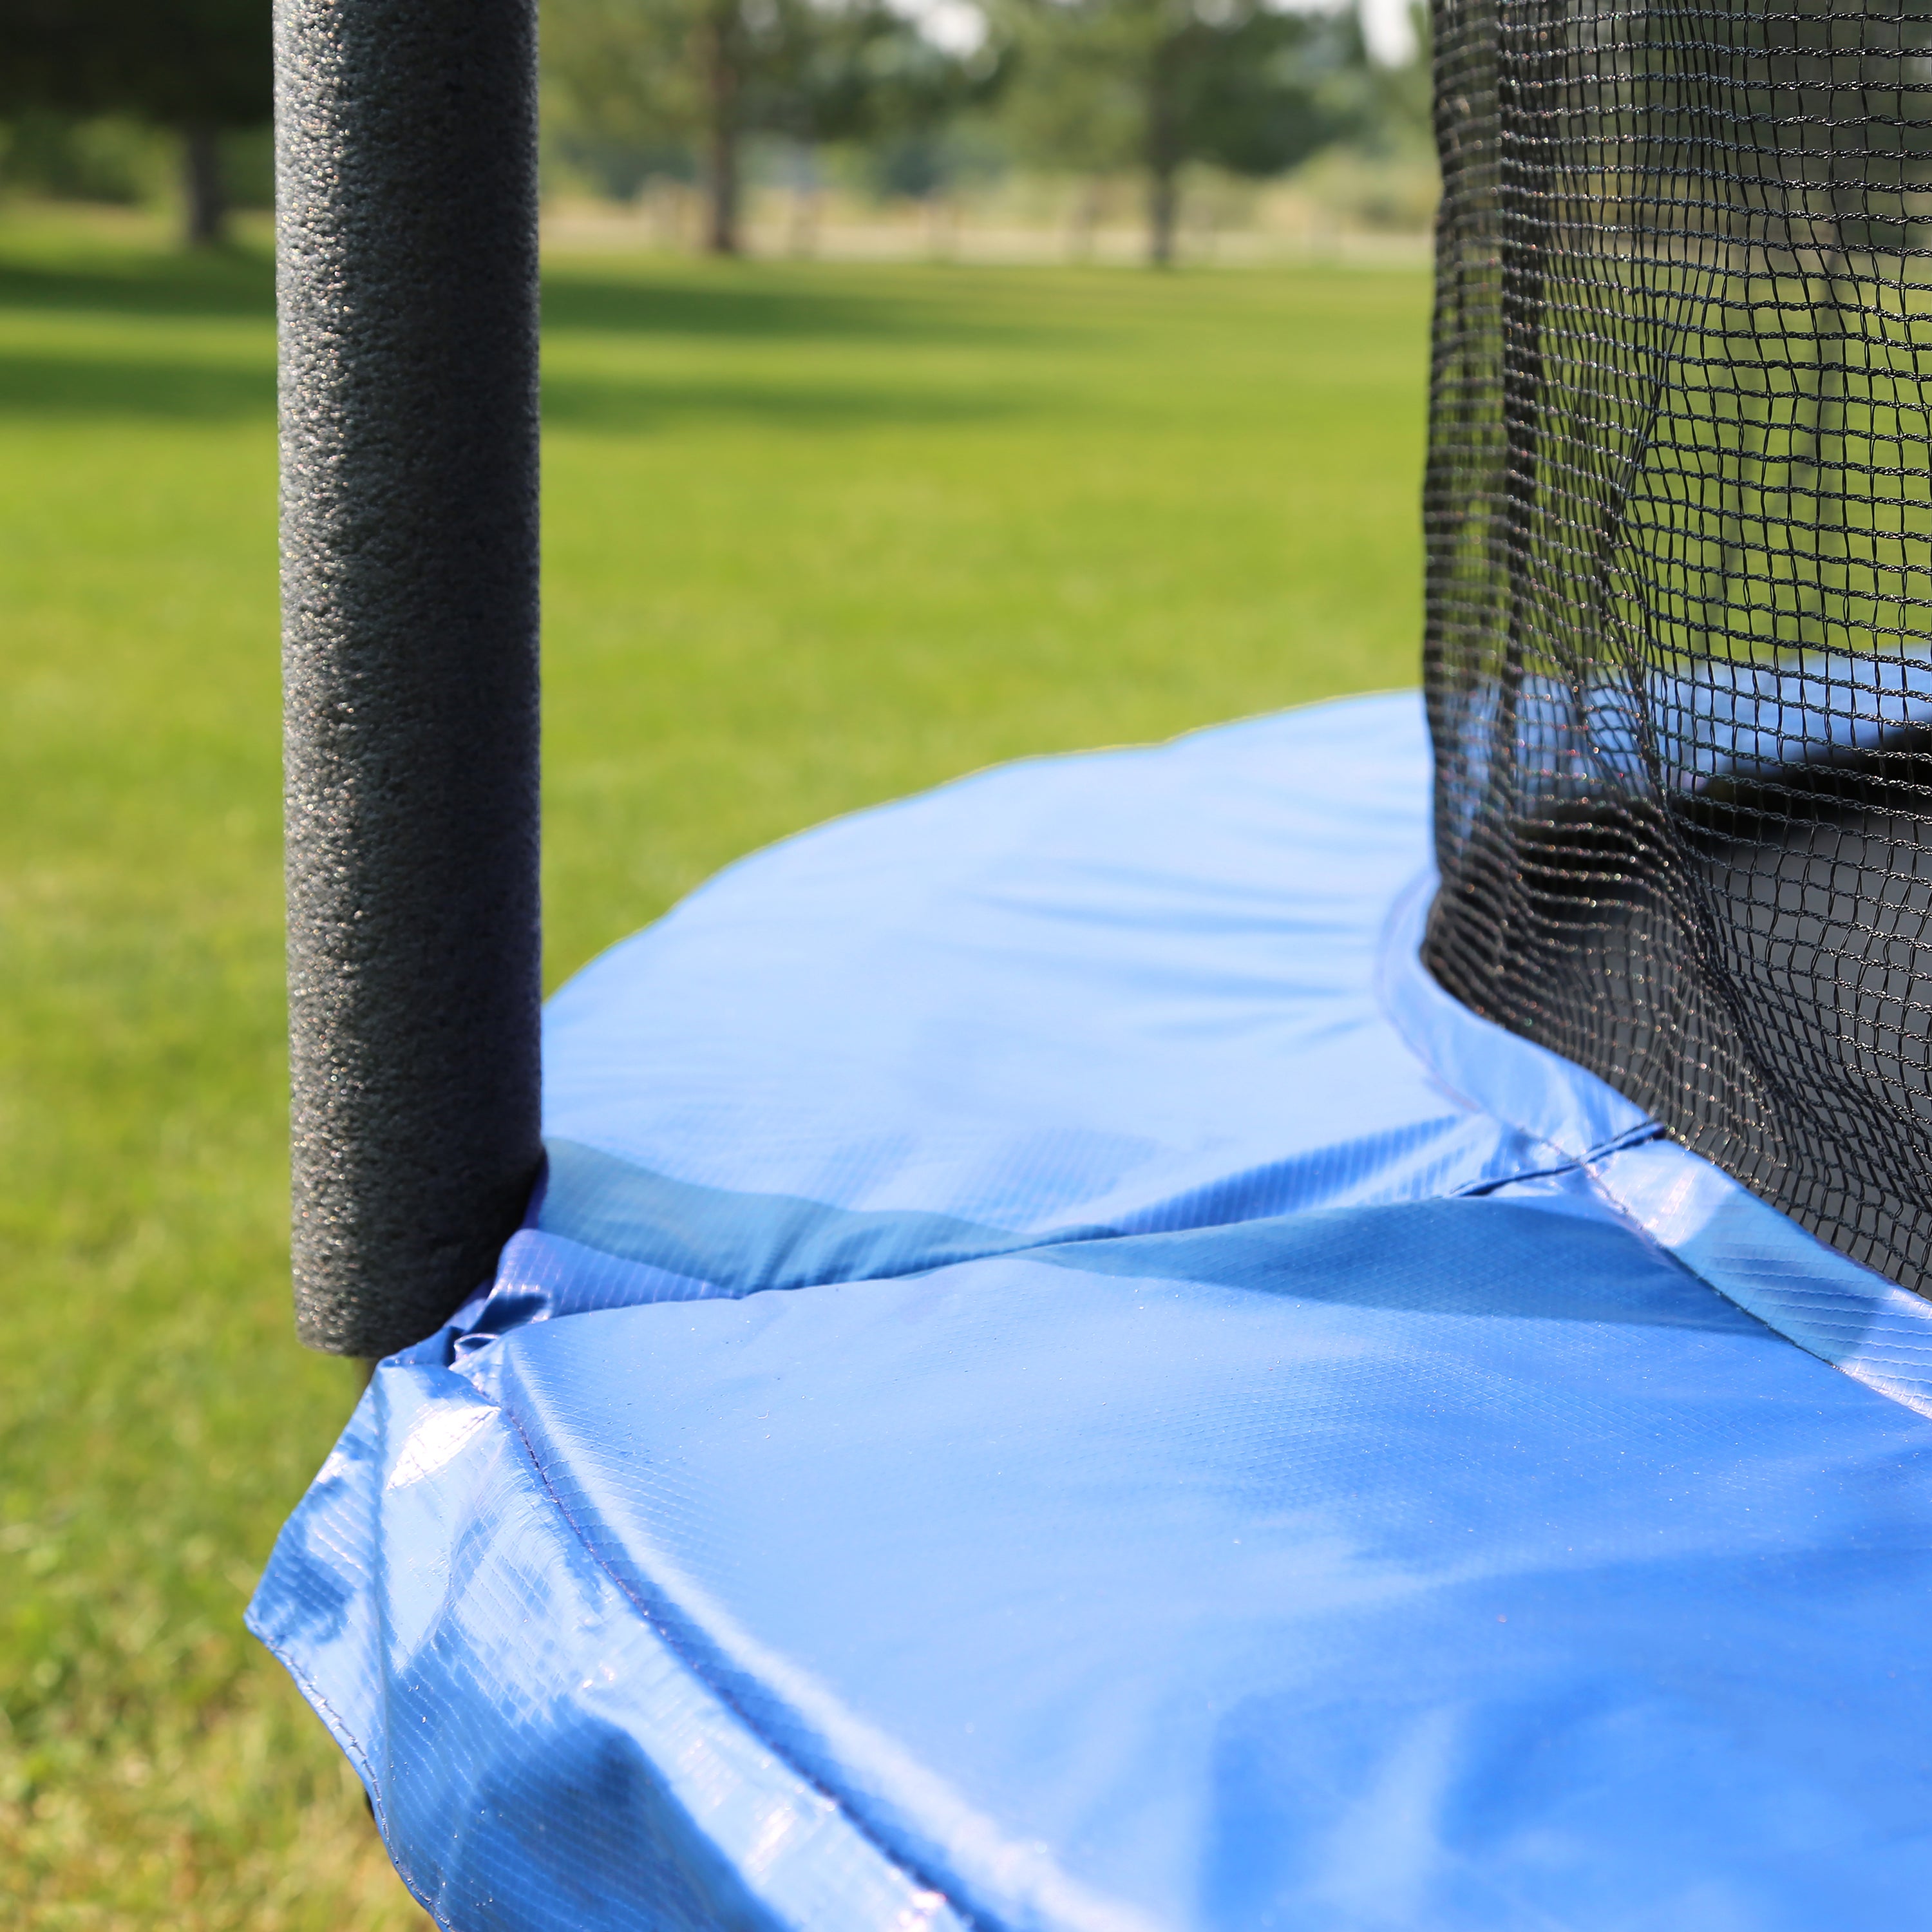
(1084, 1391)
(1314, 1326)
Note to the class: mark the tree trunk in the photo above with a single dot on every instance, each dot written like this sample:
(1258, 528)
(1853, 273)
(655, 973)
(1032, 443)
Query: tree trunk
(1163, 156)
(1163, 214)
(206, 192)
(1086, 219)
(720, 32)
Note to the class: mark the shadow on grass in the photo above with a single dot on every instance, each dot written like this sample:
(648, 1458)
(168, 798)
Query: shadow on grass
(737, 303)
(755, 309)
(128, 387)
(231, 283)
(740, 304)
(132, 389)
(635, 408)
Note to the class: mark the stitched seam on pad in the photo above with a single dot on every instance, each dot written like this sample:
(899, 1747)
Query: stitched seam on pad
(352, 1746)
(656, 1627)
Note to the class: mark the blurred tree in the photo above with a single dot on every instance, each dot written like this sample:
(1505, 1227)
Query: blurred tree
(645, 76)
(197, 66)
(101, 158)
(1389, 104)
(1104, 86)
(926, 126)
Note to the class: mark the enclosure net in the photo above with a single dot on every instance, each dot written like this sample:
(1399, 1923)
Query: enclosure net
(1679, 521)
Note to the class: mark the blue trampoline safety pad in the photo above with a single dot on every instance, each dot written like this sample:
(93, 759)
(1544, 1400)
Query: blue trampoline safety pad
(1057, 1383)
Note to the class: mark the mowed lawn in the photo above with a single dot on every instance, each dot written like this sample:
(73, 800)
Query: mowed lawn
(817, 536)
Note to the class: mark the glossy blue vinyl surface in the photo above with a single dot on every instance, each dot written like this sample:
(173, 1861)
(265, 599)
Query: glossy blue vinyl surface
(1057, 1382)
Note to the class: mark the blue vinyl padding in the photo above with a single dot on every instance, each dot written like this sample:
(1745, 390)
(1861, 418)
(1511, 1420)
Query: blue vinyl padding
(1725, 721)
(1056, 1382)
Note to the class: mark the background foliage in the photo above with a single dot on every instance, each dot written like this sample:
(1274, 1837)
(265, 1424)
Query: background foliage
(200, 68)
(124, 100)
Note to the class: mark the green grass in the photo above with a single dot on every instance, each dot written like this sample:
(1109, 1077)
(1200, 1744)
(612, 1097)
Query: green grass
(817, 536)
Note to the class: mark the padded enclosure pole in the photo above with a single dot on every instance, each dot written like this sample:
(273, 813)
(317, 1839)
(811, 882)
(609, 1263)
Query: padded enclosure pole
(405, 185)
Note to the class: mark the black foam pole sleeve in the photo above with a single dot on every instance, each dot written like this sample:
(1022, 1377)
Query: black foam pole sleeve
(406, 192)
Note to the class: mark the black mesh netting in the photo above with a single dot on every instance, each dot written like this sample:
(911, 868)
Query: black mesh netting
(1679, 519)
